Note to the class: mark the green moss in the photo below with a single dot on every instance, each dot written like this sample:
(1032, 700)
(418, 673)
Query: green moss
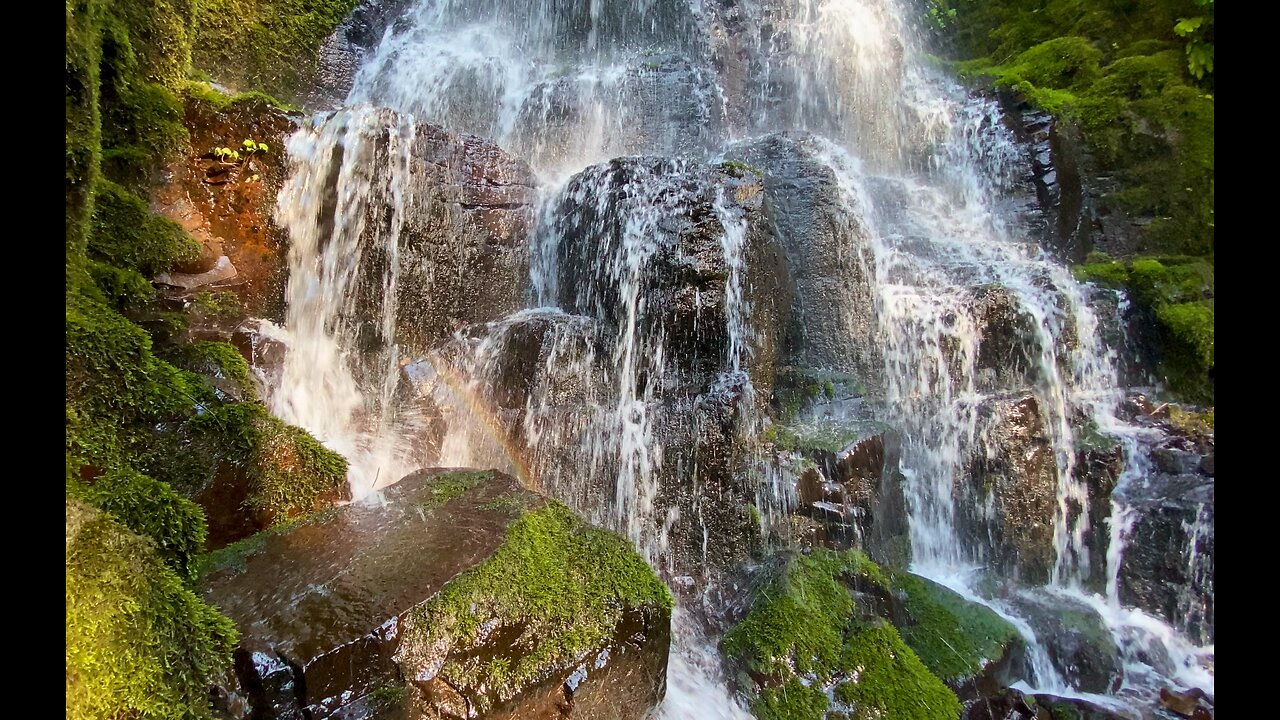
(270, 46)
(223, 304)
(84, 129)
(799, 620)
(792, 701)
(953, 637)
(139, 643)
(216, 360)
(152, 509)
(447, 486)
(1192, 327)
(1110, 274)
(125, 290)
(891, 681)
(741, 169)
(126, 234)
(232, 557)
(1063, 63)
(560, 582)
(201, 92)
(512, 504)
(290, 472)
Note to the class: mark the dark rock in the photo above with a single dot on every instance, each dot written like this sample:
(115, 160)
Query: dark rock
(1076, 638)
(327, 613)
(1006, 337)
(827, 254)
(1099, 462)
(1051, 707)
(1167, 564)
(1206, 464)
(1005, 704)
(1192, 704)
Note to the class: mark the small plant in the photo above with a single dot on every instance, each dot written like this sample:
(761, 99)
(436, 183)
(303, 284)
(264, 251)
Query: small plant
(239, 160)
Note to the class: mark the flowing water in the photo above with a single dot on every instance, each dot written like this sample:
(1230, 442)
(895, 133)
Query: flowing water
(922, 173)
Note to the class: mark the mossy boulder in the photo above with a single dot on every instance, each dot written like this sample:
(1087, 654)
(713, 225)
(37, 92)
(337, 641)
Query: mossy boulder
(140, 644)
(817, 638)
(387, 603)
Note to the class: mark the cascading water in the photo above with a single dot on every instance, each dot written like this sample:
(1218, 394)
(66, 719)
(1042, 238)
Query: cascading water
(972, 327)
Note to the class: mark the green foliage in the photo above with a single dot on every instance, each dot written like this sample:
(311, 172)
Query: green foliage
(139, 643)
(740, 169)
(792, 701)
(953, 637)
(153, 510)
(126, 234)
(564, 583)
(125, 290)
(1198, 32)
(221, 304)
(891, 680)
(1177, 292)
(264, 45)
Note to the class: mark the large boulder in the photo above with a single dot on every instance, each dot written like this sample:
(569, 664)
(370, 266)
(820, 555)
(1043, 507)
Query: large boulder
(1077, 639)
(827, 254)
(387, 609)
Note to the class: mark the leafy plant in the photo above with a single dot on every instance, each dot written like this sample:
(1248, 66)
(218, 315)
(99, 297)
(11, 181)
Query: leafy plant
(1198, 32)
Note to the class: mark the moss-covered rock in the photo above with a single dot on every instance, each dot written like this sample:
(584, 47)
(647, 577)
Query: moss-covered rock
(264, 45)
(821, 626)
(955, 639)
(152, 509)
(126, 234)
(139, 643)
(528, 608)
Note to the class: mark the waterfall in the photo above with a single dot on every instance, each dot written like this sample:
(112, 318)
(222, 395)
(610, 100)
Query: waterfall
(961, 324)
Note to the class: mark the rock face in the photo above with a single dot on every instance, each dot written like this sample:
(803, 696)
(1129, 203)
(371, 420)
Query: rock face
(831, 323)
(410, 608)
(231, 214)
(1077, 215)
(1013, 490)
(456, 246)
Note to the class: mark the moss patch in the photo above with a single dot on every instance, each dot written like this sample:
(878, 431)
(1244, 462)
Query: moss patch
(261, 45)
(152, 509)
(557, 585)
(139, 644)
(447, 486)
(232, 557)
(219, 361)
(892, 682)
(792, 701)
(126, 234)
(953, 637)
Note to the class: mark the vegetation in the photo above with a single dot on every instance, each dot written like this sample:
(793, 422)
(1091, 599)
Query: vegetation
(1135, 80)
(140, 643)
(150, 418)
(819, 624)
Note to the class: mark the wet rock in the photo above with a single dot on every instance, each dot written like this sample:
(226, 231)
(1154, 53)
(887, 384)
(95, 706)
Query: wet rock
(1167, 564)
(1051, 707)
(1074, 197)
(828, 257)
(1077, 639)
(1192, 704)
(1004, 358)
(1011, 496)
(658, 228)
(234, 219)
(221, 272)
(1005, 704)
(1099, 462)
(461, 248)
(366, 608)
